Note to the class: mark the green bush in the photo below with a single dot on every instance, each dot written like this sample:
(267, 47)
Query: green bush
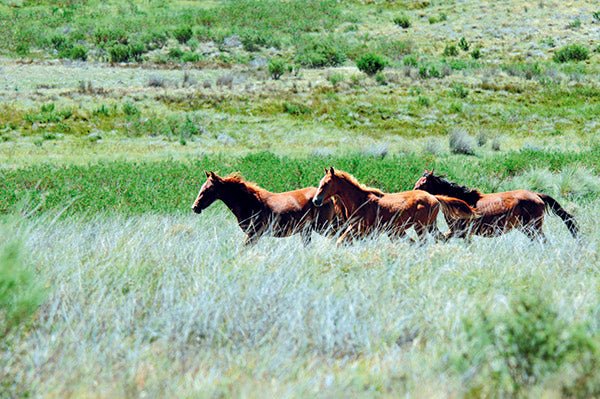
(106, 35)
(318, 52)
(183, 34)
(277, 67)
(175, 53)
(464, 44)
(410, 60)
(402, 21)
(459, 91)
(20, 291)
(118, 53)
(476, 53)
(371, 64)
(296, 109)
(130, 109)
(78, 52)
(190, 56)
(450, 50)
(512, 351)
(571, 52)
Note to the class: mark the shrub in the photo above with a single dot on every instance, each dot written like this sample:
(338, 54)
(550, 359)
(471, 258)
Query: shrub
(20, 292)
(450, 50)
(423, 101)
(430, 71)
(118, 53)
(402, 21)
(295, 109)
(106, 35)
(596, 16)
(58, 41)
(571, 52)
(336, 78)
(440, 18)
(175, 53)
(371, 64)
(183, 34)
(317, 52)
(410, 60)
(380, 78)
(476, 53)
(277, 67)
(575, 24)
(459, 91)
(461, 142)
(253, 40)
(515, 350)
(464, 44)
(190, 56)
(130, 109)
(78, 52)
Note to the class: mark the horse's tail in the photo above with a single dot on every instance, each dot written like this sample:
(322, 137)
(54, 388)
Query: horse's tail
(559, 211)
(454, 208)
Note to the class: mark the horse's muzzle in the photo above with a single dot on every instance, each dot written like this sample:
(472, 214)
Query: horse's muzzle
(317, 201)
(196, 209)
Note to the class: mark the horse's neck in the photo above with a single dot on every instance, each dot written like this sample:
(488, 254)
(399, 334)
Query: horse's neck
(242, 203)
(353, 198)
(469, 196)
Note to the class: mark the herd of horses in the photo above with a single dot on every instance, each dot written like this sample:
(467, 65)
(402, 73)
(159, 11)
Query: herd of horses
(343, 207)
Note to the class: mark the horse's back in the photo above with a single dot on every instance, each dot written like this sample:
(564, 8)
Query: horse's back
(291, 201)
(507, 200)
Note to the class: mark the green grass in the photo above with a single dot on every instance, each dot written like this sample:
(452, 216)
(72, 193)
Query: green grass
(171, 186)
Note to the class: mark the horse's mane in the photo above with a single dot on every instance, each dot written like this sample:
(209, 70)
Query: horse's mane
(469, 195)
(248, 186)
(351, 179)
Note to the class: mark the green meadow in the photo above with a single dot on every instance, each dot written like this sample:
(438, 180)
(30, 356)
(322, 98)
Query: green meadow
(110, 112)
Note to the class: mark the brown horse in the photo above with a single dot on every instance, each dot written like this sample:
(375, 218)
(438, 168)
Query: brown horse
(260, 212)
(369, 209)
(500, 212)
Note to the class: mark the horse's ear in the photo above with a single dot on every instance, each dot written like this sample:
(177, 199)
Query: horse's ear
(331, 170)
(431, 173)
(207, 173)
(326, 171)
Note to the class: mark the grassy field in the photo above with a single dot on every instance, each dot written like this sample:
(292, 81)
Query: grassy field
(110, 111)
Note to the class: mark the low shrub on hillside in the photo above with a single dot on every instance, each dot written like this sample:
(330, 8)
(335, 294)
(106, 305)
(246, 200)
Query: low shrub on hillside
(183, 34)
(277, 67)
(571, 52)
(461, 142)
(371, 64)
(318, 52)
(402, 21)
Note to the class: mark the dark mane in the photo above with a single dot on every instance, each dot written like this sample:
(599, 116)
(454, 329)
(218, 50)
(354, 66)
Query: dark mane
(249, 187)
(443, 186)
(351, 179)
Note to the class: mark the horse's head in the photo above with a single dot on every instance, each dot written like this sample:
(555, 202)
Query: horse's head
(327, 187)
(209, 192)
(426, 182)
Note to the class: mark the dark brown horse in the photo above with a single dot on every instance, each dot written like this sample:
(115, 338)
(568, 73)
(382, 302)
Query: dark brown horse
(500, 212)
(369, 209)
(261, 212)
